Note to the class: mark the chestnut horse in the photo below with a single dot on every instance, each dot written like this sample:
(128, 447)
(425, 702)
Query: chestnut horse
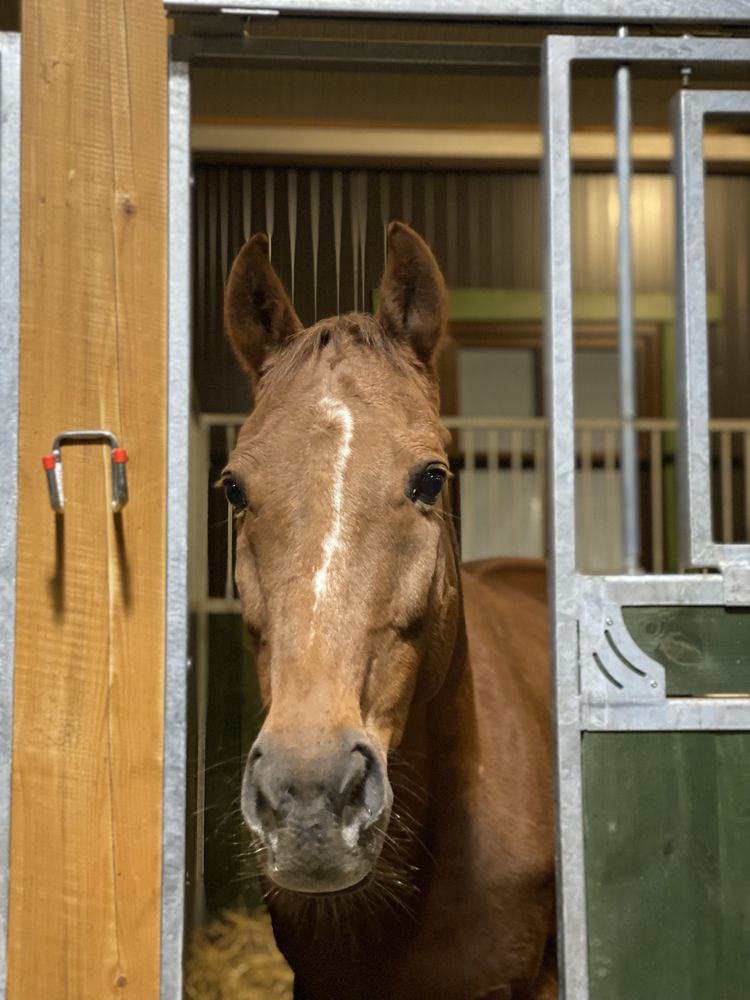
(400, 790)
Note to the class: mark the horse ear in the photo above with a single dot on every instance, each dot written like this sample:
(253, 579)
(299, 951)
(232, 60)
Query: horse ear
(413, 298)
(258, 315)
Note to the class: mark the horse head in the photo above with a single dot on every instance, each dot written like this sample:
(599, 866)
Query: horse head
(346, 566)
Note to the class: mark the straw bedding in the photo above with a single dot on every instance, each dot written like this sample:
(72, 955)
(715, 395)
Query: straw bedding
(235, 958)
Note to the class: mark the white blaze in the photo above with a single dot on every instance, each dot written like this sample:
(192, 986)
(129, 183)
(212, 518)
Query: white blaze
(340, 414)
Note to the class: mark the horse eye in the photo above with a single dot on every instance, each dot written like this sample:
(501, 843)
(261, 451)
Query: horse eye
(235, 494)
(426, 487)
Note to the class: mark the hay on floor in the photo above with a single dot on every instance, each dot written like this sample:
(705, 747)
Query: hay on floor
(235, 958)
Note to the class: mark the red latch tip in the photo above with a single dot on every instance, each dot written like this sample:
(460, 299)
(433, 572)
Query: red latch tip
(119, 455)
(48, 461)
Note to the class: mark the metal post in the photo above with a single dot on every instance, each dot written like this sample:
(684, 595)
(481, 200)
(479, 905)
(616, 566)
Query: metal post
(10, 155)
(558, 347)
(175, 696)
(629, 464)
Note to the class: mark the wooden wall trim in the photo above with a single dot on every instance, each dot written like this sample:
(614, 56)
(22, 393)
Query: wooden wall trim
(88, 721)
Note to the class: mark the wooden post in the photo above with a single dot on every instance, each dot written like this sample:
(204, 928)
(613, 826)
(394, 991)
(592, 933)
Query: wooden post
(85, 872)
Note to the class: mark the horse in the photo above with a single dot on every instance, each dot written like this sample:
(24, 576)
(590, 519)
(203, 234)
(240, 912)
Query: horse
(399, 792)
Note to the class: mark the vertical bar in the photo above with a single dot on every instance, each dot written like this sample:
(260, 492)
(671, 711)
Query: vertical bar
(516, 486)
(175, 697)
(587, 546)
(468, 494)
(610, 503)
(406, 196)
(558, 354)
(315, 230)
(657, 502)
(224, 223)
(362, 229)
(202, 653)
(385, 206)
(270, 208)
(451, 227)
(10, 195)
(540, 494)
(199, 592)
(727, 500)
(291, 187)
(203, 323)
(338, 208)
(493, 489)
(629, 464)
(746, 498)
(429, 208)
(475, 209)
(694, 454)
(247, 203)
(354, 230)
(229, 437)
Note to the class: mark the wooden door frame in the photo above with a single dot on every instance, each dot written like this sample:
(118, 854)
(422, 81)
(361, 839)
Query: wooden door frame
(89, 710)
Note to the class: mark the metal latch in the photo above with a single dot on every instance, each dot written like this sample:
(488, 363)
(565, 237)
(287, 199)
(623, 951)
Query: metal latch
(53, 467)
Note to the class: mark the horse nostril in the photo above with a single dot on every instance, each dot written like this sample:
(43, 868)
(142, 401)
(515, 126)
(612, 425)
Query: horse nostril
(362, 793)
(264, 811)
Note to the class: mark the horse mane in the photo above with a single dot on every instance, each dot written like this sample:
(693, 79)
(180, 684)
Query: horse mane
(339, 337)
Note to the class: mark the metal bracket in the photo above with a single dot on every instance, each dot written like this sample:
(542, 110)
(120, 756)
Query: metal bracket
(614, 669)
(53, 467)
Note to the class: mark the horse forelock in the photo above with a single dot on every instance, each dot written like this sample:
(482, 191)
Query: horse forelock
(332, 341)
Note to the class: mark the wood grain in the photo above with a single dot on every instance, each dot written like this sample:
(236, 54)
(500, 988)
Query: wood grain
(87, 772)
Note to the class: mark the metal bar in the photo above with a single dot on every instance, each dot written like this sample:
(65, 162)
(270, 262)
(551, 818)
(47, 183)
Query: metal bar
(315, 232)
(657, 503)
(689, 109)
(175, 693)
(229, 438)
(200, 461)
(493, 492)
(540, 495)
(725, 467)
(338, 208)
(558, 355)
(247, 206)
(610, 496)
(629, 467)
(270, 206)
(291, 188)
(592, 11)
(10, 194)
(201, 715)
(360, 55)
(694, 453)
(468, 493)
(516, 485)
(585, 545)
(672, 714)
(354, 234)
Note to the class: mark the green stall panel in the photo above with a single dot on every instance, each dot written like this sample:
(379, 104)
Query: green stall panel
(667, 829)
(704, 650)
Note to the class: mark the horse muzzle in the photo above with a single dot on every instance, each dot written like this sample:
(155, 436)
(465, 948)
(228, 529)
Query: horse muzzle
(321, 819)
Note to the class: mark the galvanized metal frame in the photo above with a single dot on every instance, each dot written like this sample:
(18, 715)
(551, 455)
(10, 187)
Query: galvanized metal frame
(549, 11)
(689, 113)
(603, 681)
(10, 200)
(178, 415)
